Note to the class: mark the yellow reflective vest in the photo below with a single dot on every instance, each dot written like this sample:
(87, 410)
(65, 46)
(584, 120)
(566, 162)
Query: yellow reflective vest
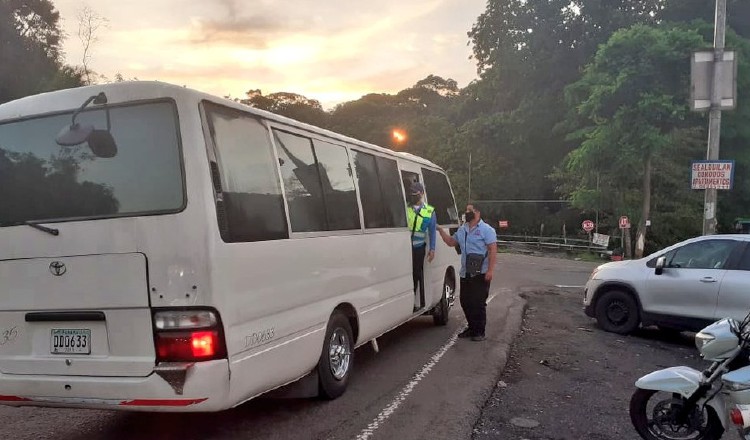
(417, 224)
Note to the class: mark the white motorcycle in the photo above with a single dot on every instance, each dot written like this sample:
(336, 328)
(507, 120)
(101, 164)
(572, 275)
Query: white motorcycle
(683, 403)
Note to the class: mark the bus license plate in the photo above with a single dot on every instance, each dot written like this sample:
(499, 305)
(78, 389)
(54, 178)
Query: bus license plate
(70, 341)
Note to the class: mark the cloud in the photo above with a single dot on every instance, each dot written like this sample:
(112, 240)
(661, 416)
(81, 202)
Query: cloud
(331, 50)
(234, 25)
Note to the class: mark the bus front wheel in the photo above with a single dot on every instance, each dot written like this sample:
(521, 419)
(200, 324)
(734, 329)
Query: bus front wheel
(336, 358)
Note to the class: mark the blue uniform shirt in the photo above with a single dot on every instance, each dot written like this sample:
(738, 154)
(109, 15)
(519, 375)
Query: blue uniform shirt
(475, 241)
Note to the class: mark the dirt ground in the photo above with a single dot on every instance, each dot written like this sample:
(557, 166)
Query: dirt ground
(568, 380)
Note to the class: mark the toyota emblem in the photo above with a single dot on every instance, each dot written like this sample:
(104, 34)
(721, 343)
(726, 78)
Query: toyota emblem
(57, 268)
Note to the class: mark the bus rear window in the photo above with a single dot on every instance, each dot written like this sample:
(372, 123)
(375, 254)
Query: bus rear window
(42, 181)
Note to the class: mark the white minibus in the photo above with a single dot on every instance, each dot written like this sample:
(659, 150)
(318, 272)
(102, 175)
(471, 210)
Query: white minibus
(163, 249)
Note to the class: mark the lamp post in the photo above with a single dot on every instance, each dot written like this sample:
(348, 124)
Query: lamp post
(469, 195)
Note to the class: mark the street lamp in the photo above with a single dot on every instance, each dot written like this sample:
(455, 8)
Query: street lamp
(399, 136)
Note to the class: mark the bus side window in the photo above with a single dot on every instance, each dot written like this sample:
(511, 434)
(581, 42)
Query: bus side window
(393, 196)
(249, 184)
(318, 184)
(380, 190)
(304, 193)
(409, 178)
(439, 195)
(342, 211)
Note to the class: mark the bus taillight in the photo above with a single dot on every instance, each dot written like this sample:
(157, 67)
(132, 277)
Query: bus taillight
(188, 335)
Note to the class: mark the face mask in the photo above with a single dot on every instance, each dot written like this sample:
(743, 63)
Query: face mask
(470, 216)
(415, 199)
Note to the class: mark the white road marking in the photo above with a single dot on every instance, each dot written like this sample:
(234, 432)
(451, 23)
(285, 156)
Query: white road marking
(421, 374)
(563, 286)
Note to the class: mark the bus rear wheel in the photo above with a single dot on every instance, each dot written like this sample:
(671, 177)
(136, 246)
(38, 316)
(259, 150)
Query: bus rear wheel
(440, 314)
(336, 359)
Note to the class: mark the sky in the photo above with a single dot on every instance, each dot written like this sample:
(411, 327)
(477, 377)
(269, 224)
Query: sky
(330, 50)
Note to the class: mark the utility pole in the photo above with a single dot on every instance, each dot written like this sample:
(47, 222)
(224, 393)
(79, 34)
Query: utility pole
(598, 202)
(714, 118)
(469, 197)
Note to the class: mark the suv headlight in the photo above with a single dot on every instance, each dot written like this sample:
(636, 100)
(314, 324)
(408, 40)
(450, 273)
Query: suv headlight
(593, 273)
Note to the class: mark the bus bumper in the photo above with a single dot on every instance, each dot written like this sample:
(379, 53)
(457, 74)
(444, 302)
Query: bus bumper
(206, 389)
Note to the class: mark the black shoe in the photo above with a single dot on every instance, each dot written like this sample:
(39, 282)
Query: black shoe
(465, 334)
(478, 338)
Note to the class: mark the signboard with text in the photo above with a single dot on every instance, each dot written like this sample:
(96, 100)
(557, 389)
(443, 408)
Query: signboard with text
(601, 240)
(624, 222)
(712, 174)
(587, 225)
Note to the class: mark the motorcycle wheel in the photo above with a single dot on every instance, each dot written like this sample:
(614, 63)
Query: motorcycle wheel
(653, 414)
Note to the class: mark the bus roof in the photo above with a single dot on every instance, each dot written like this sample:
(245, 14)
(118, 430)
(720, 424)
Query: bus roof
(70, 99)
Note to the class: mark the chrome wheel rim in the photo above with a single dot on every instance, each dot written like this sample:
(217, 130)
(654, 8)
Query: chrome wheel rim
(664, 424)
(449, 295)
(339, 353)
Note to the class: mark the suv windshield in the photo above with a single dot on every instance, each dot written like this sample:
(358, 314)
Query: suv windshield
(40, 180)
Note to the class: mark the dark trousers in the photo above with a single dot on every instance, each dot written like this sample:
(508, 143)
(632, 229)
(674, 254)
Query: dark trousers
(417, 264)
(474, 292)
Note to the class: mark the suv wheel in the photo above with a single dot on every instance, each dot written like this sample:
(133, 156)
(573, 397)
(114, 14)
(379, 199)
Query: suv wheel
(617, 312)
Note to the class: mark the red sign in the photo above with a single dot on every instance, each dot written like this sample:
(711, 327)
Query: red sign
(504, 223)
(624, 222)
(588, 225)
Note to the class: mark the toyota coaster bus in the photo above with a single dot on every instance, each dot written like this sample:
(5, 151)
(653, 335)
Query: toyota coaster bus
(162, 249)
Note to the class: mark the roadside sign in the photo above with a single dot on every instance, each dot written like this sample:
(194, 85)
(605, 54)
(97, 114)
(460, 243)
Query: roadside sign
(601, 240)
(701, 80)
(504, 223)
(712, 174)
(587, 225)
(624, 222)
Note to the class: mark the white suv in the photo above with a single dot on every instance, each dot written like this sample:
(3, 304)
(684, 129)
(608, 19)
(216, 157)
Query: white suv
(683, 287)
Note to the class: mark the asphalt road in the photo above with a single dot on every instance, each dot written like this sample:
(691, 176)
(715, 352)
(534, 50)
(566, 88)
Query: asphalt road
(569, 380)
(424, 383)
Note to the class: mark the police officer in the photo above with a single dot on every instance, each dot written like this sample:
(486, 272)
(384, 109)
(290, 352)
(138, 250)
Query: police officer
(478, 243)
(421, 221)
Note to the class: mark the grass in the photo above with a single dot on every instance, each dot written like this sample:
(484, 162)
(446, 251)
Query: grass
(589, 256)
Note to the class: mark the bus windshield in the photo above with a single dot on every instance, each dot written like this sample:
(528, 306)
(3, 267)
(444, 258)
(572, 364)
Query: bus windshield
(42, 181)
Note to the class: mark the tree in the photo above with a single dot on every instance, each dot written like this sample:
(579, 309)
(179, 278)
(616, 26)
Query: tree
(684, 11)
(30, 53)
(291, 105)
(528, 52)
(89, 23)
(632, 108)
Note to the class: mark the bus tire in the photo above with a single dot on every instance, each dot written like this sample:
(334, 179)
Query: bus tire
(441, 312)
(337, 357)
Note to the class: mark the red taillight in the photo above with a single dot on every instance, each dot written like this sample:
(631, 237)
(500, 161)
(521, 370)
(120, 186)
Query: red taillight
(188, 335)
(189, 346)
(204, 344)
(736, 415)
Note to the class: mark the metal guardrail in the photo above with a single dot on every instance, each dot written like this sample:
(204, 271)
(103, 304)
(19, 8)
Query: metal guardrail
(561, 243)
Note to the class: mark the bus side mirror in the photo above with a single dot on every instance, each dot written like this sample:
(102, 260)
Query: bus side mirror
(74, 134)
(660, 263)
(100, 142)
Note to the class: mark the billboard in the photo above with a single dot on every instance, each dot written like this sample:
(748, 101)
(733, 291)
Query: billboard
(712, 174)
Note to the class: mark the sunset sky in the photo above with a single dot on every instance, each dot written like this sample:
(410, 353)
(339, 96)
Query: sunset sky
(329, 50)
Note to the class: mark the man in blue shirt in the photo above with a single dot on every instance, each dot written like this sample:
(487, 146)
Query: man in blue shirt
(421, 221)
(478, 243)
